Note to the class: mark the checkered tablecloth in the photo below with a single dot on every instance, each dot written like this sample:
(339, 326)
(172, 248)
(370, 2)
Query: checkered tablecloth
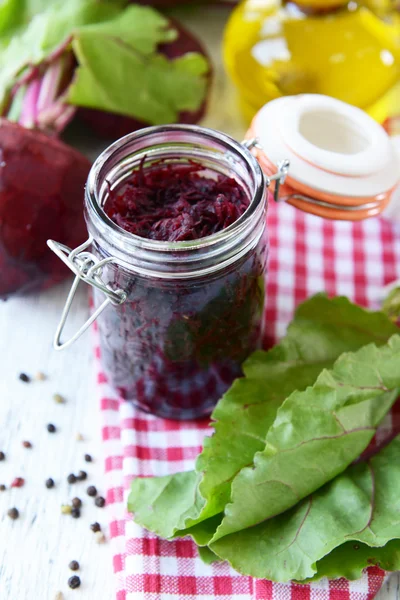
(307, 255)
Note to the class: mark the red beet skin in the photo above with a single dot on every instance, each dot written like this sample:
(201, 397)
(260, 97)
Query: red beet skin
(41, 196)
(113, 126)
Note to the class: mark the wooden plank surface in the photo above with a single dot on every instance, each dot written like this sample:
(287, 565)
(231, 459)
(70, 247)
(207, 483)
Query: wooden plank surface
(36, 549)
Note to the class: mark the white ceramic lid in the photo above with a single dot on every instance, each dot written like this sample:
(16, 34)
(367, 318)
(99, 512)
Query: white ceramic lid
(332, 147)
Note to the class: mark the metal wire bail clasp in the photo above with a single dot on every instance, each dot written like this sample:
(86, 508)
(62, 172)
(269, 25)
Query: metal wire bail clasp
(279, 176)
(88, 268)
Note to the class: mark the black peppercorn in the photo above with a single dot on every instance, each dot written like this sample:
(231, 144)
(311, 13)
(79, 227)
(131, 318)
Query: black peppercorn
(49, 483)
(51, 428)
(74, 582)
(74, 565)
(95, 527)
(13, 513)
(24, 377)
(27, 444)
(88, 458)
(100, 501)
(2, 487)
(71, 478)
(2, 456)
(75, 513)
(91, 491)
(82, 475)
(76, 502)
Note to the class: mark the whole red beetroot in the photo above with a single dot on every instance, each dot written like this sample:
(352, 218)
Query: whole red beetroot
(111, 125)
(41, 196)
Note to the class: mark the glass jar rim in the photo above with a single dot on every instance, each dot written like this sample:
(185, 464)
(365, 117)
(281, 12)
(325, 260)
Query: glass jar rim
(130, 239)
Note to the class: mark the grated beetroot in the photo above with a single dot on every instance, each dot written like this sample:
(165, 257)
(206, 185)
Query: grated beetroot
(176, 345)
(175, 202)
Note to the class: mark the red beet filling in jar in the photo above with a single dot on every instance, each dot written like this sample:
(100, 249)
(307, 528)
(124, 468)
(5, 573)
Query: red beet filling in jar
(179, 214)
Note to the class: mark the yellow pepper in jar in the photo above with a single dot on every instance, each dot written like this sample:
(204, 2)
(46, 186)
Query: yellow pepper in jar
(350, 51)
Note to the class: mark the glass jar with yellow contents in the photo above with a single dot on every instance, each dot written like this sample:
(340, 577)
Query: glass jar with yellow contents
(350, 51)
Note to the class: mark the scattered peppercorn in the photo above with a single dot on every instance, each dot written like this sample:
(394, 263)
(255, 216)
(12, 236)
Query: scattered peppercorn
(40, 376)
(18, 482)
(74, 565)
(13, 513)
(71, 478)
(27, 444)
(91, 491)
(59, 399)
(88, 458)
(2, 456)
(82, 475)
(24, 377)
(75, 513)
(76, 502)
(100, 537)
(100, 501)
(49, 483)
(66, 509)
(51, 428)
(2, 487)
(95, 527)
(74, 582)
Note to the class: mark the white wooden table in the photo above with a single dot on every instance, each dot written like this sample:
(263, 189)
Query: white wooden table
(35, 549)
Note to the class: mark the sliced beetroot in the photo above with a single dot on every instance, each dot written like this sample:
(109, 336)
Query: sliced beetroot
(41, 196)
(114, 126)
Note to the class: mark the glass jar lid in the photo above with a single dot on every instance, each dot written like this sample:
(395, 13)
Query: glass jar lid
(343, 165)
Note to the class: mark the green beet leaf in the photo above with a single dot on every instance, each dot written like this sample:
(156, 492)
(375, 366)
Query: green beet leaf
(317, 433)
(120, 72)
(353, 522)
(164, 501)
(45, 33)
(18, 13)
(391, 304)
(350, 559)
(207, 555)
(321, 330)
(133, 88)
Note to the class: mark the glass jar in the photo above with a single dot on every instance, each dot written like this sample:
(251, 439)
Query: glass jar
(185, 315)
(275, 48)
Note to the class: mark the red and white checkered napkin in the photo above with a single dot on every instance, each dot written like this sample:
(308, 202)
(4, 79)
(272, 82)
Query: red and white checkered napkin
(308, 255)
